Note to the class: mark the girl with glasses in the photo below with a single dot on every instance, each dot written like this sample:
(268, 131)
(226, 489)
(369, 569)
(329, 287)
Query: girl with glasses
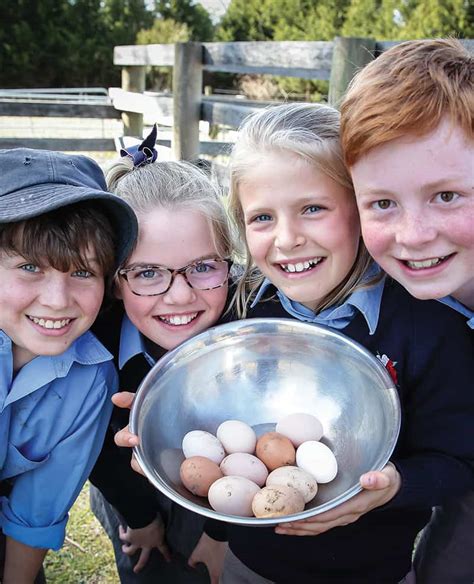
(173, 286)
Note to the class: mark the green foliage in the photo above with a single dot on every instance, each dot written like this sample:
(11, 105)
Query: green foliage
(164, 30)
(439, 18)
(193, 15)
(54, 43)
(87, 556)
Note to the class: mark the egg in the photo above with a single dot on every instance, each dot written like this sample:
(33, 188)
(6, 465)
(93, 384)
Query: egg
(276, 501)
(245, 465)
(200, 443)
(297, 478)
(275, 450)
(198, 473)
(236, 436)
(233, 495)
(300, 428)
(317, 459)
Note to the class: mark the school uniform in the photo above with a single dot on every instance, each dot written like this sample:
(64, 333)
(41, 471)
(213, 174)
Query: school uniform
(433, 356)
(445, 550)
(125, 497)
(53, 416)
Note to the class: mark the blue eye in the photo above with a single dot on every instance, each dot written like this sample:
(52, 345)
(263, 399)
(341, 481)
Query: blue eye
(30, 268)
(203, 268)
(262, 218)
(310, 209)
(148, 274)
(82, 274)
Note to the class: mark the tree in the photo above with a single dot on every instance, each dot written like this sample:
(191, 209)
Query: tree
(194, 16)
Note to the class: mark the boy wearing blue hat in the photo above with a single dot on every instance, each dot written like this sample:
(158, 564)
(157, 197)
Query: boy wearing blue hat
(61, 237)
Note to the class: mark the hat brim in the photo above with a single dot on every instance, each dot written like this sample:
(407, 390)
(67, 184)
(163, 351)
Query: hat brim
(43, 198)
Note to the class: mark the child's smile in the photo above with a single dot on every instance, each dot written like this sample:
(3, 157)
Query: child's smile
(302, 227)
(416, 205)
(173, 238)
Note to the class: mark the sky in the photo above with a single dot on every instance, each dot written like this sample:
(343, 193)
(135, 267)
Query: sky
(216, 8)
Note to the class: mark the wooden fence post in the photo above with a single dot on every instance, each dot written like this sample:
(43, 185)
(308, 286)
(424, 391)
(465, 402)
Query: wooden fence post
(133, 79)
(349, 55)
(187, 90)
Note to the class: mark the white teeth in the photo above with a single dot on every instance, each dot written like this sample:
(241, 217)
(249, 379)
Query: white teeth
(300, 266)
(179, 320)
(50, 324)
(419, 265)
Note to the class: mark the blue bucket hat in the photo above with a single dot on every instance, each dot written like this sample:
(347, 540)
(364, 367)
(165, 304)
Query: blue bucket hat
(34, 182)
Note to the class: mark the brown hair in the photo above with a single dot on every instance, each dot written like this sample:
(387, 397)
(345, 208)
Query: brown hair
(408, 90)
(61, 238)
(311, 132)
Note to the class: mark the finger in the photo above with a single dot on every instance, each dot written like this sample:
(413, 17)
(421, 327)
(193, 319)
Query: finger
(165, 551)
(129, 549)
(142, 560)
(374, 480)
(125, 438)
(122, 533)
(136, 467)
(123, 399)
(192, 561)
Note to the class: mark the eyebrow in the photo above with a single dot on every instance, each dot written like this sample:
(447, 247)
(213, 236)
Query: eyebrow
(211, 256)
(444, 183)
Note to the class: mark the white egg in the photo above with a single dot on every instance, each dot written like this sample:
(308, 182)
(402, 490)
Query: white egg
(237, 436)
(233, 495)
(245, 465)
(200, 443)
(317, 459)
(293, 476)
(300, 428)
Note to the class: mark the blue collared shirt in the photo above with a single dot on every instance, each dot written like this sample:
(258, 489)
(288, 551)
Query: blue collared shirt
(53, 417)
(132, 343)
(458, 307)
(364, 300)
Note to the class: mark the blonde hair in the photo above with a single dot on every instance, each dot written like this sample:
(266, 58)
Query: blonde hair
(171, 185)
(408, 90)
(311, 132)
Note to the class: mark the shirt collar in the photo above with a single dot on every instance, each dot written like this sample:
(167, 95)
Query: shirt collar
(456, 305)
(131, 343)
(364, 300)
(86, 350)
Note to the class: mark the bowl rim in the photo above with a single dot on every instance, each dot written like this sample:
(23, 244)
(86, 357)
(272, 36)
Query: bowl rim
(233, 327)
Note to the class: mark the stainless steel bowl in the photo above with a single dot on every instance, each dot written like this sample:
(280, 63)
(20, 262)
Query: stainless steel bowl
(258, 371)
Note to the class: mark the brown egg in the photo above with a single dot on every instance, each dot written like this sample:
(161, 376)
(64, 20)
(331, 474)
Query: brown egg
(198, 474)
(277, 501)
(275, 450)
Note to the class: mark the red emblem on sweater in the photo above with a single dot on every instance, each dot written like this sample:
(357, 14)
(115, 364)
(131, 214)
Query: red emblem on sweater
(389, 366)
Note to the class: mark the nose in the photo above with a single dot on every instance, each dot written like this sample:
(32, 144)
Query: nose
(56, 294)
(180, 292)
(415, 230)
(287, 235)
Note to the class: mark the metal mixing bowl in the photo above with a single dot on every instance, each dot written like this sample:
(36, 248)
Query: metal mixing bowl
(258, 371)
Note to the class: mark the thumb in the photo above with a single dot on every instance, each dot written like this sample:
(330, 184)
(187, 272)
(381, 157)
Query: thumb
(374, 481)
(123, 399)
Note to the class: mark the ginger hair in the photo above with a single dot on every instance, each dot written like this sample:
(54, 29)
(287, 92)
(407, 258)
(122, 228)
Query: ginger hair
(408, 90)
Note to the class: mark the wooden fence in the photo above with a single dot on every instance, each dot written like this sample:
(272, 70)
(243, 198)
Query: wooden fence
(335, 61)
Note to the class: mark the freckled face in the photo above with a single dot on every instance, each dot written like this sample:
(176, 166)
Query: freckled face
(302, 227)
(44, 310)
(416, 204)
(173, 238)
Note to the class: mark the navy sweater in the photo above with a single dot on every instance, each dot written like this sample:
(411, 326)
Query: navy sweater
(434, 353)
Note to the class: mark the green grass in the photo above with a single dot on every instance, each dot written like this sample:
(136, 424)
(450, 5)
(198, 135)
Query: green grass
(86, 556)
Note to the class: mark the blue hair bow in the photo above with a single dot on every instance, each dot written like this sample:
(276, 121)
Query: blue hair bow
(145, 152)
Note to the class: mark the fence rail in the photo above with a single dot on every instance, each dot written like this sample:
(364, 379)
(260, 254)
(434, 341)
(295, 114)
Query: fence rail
(336, 61)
